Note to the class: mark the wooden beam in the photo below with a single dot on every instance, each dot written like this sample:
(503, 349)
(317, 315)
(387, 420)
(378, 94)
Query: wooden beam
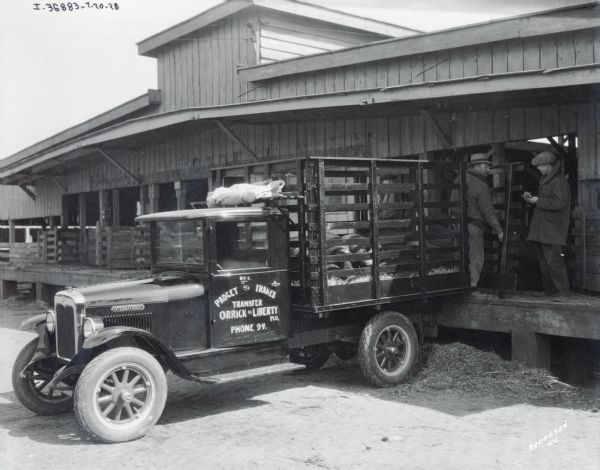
(531, 25)
(27, 191)
(447, 142)
(229, 133)
(558, 147)
(58, 183)
(118, 165)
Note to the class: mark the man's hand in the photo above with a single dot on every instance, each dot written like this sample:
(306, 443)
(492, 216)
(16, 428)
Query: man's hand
(527, 197)
(500, 237)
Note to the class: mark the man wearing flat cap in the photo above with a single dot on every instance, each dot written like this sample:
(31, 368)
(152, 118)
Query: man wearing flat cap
(550, 223)
(480, 213)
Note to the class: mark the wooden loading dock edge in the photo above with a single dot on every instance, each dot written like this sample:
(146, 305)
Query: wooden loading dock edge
(530, 321)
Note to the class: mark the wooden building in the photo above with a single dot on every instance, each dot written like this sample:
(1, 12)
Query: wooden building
(265, 80)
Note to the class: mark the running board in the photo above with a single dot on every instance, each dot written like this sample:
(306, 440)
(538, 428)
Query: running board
(248, 373)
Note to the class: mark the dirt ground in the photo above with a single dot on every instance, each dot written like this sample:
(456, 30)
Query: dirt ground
(329, 419)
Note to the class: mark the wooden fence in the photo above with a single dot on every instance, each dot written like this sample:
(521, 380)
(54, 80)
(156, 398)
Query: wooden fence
(19, 253)
(122, 247)
(107, 247)
(585, 265)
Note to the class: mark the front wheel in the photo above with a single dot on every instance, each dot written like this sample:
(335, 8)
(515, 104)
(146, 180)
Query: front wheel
(120, 395)
(31, 384)
(388, 349)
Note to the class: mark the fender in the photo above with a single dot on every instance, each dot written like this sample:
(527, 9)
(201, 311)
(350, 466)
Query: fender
(34, 323)
(37, 324)
(112, 333)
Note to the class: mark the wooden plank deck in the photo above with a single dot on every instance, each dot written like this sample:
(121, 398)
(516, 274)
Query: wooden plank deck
(577, 318)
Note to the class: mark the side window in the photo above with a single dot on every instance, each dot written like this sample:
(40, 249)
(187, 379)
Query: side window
(242, 245)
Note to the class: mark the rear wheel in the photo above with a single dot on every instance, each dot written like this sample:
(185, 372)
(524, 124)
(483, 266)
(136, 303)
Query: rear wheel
(388, 349)
(120, 395)
(31, 384)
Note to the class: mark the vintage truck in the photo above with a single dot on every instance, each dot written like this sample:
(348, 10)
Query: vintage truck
(345, 263)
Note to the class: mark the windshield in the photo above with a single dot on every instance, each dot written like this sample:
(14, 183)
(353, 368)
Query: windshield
(179, 242)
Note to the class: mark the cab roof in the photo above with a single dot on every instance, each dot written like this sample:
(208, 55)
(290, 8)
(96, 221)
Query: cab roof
(216, 212)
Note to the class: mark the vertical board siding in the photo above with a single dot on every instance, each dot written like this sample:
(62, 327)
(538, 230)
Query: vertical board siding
(584, 47)
(200, 69)
(387, 136)
(514, 55)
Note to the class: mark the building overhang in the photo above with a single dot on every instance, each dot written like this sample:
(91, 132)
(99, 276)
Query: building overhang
(120, 113)
(546, 82)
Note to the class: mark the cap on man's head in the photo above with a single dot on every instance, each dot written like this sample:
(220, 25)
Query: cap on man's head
(478, 158)
(544, 158)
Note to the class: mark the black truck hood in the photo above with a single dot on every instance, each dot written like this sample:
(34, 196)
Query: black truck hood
(151, 290)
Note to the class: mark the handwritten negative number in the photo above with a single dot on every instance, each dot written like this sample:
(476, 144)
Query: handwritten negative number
(74, 6)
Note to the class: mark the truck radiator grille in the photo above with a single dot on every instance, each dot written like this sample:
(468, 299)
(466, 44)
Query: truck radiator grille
(66, 331)
(142, 320)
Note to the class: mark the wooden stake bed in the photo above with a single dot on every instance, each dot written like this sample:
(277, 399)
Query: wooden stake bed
(369, 231)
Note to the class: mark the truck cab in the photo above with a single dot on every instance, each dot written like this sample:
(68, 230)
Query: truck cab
(240, 257)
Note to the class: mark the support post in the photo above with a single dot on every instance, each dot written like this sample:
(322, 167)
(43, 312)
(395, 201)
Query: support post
(152, 198)
(579, 360)
(181, 188)
(143, 199)
(116, 207)
(99, 233)
(43, 292)
(105, 216)
(530, 348)
(82, 228)
(12, 232)
(64, 212)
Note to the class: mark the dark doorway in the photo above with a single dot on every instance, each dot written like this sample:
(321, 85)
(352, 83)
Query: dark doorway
(167, 199)
(196, 191)
(92, 208)
(129, 198)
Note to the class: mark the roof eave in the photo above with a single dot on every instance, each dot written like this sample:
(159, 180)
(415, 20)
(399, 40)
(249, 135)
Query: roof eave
(148, 47)
(151, 98)
(477, 85)
(481, 33)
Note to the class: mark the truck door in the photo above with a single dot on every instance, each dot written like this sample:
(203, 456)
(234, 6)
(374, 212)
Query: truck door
(249, 284)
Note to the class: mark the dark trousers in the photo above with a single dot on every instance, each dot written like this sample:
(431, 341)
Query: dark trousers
(476, 253)
(553, 269)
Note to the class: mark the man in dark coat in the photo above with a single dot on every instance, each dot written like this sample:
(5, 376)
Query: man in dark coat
(480, 213)
(550, 223)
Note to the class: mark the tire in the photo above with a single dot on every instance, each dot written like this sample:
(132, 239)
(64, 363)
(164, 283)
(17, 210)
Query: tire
(312, 358)
(29, 387)
(387, 349)
(120, 395)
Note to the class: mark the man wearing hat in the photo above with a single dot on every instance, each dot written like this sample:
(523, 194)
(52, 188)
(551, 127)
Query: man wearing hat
(480, 213)
(550, 223)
